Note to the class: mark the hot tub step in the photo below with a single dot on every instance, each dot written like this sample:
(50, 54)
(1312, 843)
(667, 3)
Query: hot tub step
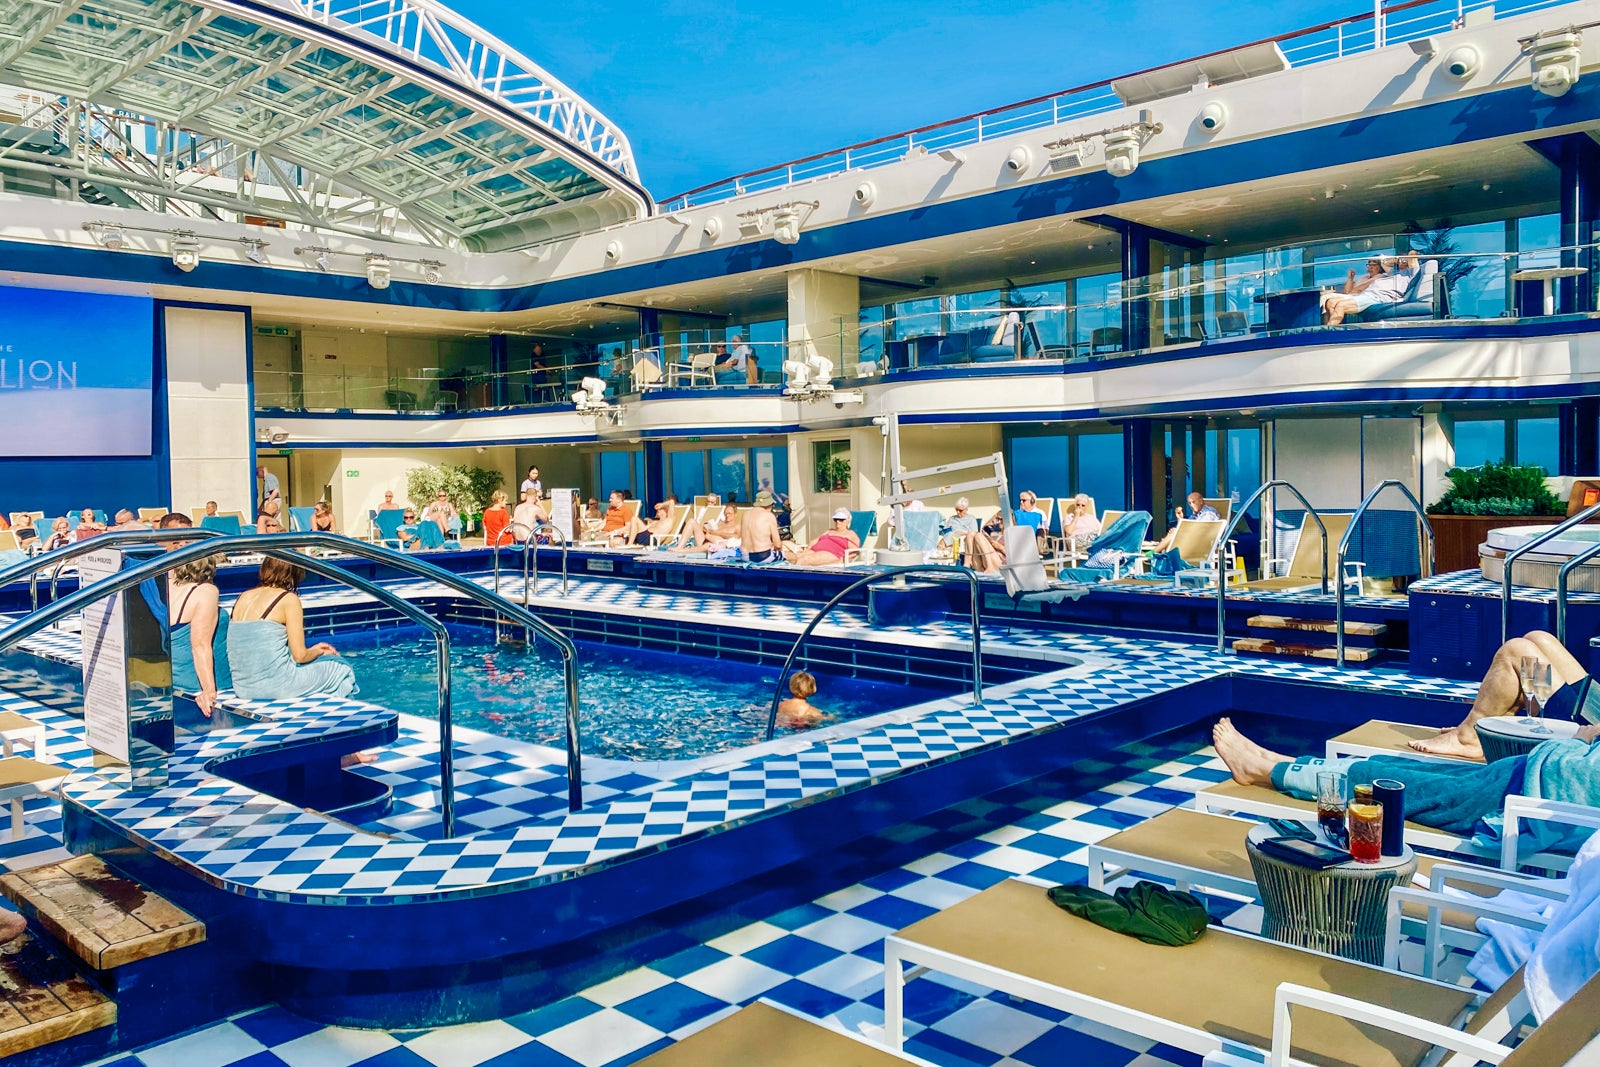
(1264, 647)
(1321, 626)
(43, 998)
(108, 920)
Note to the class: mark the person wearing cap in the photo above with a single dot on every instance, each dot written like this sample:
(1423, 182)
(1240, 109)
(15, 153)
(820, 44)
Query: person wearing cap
(758, 532)
(829, 549)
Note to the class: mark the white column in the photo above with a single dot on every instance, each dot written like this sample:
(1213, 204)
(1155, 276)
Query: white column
(1438, 453)
(823, 312)
(210, 426)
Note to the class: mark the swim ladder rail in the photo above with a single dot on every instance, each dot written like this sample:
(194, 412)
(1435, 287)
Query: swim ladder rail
(1561, 587)
(1527, 546)
(822, 613)
(1237, 517)
(282, 545)
(1344, 548)
(59, 558)
(529, 549)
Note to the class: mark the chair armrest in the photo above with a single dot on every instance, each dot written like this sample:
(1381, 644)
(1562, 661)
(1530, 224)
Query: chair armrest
(1444, 874)
(1291, 996)
(1437, 904)
(1520, 807)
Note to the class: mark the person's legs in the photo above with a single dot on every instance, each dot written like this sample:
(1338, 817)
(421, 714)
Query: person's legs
(1499, 693)
(1567, 668)
(808, 558)
(1338, 309)
(1250, 763)
(1165, 544)
(982, 554)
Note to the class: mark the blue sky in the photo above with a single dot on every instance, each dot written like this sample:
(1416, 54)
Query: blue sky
(707, 90)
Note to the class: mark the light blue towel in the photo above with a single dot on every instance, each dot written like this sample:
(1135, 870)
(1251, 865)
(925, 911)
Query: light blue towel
(258, 655)
(922, 530)
(184, 678)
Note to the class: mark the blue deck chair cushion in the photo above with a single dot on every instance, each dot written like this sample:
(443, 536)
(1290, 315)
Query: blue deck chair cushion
(388, 523)
(863, 524)
(300, 519)
(922, 530)
(228, 525)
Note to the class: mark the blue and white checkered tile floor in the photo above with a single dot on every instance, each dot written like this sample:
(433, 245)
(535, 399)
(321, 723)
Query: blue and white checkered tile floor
(1472, 583)
(823, 958)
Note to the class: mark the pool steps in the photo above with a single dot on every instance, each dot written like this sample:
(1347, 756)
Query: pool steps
(97, 966)
(1363, 640)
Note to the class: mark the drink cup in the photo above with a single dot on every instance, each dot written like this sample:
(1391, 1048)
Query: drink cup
(1333, 797)
(1366, 832)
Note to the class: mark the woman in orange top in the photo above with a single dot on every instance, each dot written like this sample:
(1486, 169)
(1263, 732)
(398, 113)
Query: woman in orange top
(495, 518)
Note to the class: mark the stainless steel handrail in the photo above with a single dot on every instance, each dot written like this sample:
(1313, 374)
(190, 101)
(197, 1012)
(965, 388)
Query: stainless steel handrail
(533, 548)
(1561, 587)
(920, 568)
(1227, 532)
(60, 557)
(525, 546)
(1344, 546)
(1516, 553)
(281, 545)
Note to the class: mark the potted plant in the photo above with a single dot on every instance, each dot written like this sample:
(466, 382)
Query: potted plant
(468, 488)
(833, 474)
(1479, 500)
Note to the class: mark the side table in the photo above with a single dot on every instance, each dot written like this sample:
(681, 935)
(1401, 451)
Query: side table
(1339, 910)
(1511, 735)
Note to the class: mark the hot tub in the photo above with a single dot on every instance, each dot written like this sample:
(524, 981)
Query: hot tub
(1540, 567)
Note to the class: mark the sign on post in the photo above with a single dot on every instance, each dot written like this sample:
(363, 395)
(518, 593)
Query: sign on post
(106, 717)
(127, 672)
(562, 507)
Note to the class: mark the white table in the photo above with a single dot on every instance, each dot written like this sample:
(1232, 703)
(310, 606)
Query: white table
(14, 728)
(1510, 735)
(1548, 275)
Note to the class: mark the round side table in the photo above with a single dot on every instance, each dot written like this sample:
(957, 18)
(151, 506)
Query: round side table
(1511, 735)
(1339, 910)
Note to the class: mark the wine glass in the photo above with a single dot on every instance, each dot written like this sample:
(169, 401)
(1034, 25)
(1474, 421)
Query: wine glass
(1542, 686)
(1525, 669)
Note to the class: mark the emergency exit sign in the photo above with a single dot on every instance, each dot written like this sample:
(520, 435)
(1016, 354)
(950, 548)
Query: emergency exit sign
(352, 474)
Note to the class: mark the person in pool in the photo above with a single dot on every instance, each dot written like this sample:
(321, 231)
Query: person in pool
(798, 711)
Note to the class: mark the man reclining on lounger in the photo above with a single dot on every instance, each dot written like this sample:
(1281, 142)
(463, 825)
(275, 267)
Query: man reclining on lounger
(1500, 693)
(1459, 798)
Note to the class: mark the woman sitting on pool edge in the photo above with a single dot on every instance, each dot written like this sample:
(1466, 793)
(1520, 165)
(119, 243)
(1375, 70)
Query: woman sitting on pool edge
(797, 710)
(267, 650)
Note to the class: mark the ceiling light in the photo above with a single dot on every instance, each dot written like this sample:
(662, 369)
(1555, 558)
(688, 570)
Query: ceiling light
(430, 271)
(1555, 60)
(324, 260)
(378, 271)
(253, 249)
(185, 252)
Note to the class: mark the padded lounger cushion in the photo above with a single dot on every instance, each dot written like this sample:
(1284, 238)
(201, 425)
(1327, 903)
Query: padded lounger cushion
(1223, 984)
(761, 1034)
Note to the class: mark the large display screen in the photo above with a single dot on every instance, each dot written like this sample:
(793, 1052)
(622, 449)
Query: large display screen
(76, 373)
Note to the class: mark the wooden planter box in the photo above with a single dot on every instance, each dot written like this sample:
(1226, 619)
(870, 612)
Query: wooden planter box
(1457, 537)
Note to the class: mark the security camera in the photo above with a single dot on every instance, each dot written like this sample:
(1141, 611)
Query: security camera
(712, 228)
(1463, 62)
(613, 251)
(1555, 61)
(1122, 153)
(866, 193)
(1019, 159)
(1213, 117)
(786, 226)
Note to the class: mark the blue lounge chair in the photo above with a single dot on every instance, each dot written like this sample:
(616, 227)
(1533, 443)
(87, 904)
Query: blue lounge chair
(300, 519)
(388, 523)
(227, 525)
(1123, 536)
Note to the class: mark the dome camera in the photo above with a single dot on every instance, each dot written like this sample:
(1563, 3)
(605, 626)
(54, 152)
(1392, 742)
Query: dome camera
(866, 193)
(1213, 117)
(1463, 62)
(1019, 159)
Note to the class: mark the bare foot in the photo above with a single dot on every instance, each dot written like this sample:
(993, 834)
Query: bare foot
(12, 926)
(356, 759)
(1449, 743)
(1250, 763)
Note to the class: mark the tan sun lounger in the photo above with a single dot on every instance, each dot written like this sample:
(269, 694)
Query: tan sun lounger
(1202, 997)
(1379, 737)
(1305, 566)
(772, 1037)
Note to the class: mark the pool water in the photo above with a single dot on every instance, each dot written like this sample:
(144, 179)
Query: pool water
(635, 704)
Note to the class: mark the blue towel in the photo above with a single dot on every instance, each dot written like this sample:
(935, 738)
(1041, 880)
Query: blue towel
(922, 530)
(258, 656)
(1126, 534)
(184, 678)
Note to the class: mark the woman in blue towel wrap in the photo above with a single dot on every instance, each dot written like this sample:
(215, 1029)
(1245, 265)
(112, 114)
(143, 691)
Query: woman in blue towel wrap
(267, 643)
(199, 633)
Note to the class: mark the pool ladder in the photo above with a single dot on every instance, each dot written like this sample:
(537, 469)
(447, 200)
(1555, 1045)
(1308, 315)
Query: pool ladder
(286, 546)
(529, 550)
(1561, 575)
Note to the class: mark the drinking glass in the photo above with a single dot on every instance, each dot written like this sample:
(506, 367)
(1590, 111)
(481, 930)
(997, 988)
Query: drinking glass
(1525, 669)
(1542, 685)
(1333, 797)
(1366, 831)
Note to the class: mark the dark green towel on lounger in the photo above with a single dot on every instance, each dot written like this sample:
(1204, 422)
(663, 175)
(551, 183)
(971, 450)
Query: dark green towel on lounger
(1153, 913)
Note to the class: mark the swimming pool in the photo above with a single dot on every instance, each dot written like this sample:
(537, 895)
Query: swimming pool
(636, 704)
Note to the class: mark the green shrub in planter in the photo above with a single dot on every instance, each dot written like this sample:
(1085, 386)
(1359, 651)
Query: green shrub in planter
(1497, 489)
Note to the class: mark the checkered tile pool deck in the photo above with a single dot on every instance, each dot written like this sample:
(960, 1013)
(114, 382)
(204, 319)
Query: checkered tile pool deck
(822, 958)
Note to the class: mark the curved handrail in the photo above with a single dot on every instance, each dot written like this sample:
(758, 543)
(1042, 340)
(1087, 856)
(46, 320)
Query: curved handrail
(496, 546)
(60, 557)
(1344, 546)
(977, 634)
(1227, 532)
(278, 545)
(545, 524)
(1561, 587)
(1517, 553)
